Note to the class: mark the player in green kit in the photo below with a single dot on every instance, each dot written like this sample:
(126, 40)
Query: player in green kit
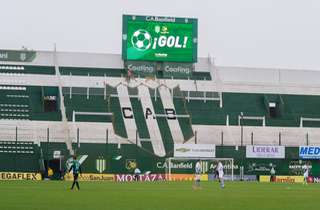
(76, 170)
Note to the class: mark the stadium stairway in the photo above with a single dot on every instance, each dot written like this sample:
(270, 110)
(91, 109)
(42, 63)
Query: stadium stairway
(173, 122)
(151, 121)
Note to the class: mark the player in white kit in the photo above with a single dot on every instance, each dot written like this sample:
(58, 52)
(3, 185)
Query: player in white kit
(197, 175)
(305, 174)
(220, 174)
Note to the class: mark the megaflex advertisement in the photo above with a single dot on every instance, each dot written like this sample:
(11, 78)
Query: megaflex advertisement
(19, 176)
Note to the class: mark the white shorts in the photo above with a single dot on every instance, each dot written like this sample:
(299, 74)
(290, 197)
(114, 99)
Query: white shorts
(221, 175)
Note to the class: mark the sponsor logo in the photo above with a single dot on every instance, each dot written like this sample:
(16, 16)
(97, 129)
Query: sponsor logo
(183, 150)
(235, 177)
(296, 167)
(261, 167)
(283, 179)
(265, 151)
(56, 154)
(161, 19)
(101, 164)
(19, 176)
(131, 164)
(91, 177)
(206, 166)
(80, 158)
(142, 177)
(23, 56)
(17, 56)
(186, 177)
(194, 150)
(178, 69)
(142, 68)
(181, 165)
(4, 56)
(309, 152)
(312, 179)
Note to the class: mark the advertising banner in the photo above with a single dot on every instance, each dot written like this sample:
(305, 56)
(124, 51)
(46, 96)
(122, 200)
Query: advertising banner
(182, 70)
(142, 68)
(19, 176)
(152, 38)
(141, 177)
(283, 179)
(187, 177)
(195, 150)
(296, 167)
(235, 177)
(17, 56)
(90, 177)
(275, 152)
(312, 179)
(309, 152)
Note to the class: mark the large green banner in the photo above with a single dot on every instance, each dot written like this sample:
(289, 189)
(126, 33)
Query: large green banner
(151, 38)
(17, 56)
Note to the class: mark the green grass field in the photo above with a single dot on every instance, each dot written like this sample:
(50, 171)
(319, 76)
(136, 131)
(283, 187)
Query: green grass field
(53, 195)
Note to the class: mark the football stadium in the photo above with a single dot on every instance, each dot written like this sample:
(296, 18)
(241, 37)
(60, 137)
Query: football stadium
(155, 127)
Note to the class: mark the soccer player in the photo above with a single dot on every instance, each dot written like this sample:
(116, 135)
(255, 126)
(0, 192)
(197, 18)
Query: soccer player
(76, 169)
(197, 176)
(221, 174)
(272, 174)
(305, 174)
(137, 173)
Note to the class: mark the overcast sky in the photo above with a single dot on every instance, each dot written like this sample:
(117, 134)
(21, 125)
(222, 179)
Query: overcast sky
(259, 33)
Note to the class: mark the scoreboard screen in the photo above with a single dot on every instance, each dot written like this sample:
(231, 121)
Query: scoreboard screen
(149, 38)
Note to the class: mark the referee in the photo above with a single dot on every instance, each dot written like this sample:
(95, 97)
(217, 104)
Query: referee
(76, 169)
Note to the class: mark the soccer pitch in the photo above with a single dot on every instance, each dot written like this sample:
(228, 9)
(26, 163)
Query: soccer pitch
(53, 195)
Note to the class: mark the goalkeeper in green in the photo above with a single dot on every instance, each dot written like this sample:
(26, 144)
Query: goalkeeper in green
(76, 170)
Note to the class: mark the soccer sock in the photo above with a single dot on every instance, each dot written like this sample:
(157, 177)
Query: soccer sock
(77, 183)
(222, 183)
(73, 185)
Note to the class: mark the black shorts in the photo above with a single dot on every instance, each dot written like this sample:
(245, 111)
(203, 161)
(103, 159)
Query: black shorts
(75, 177)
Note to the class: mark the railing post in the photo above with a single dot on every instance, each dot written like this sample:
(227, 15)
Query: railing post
(48, 139)
(195, 137)
(78, 139)
(280, 136)
(222, 138)
(241, 129)
(251, 138)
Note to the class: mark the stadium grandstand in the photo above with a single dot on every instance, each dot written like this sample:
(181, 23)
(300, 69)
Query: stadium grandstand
(64, 103)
